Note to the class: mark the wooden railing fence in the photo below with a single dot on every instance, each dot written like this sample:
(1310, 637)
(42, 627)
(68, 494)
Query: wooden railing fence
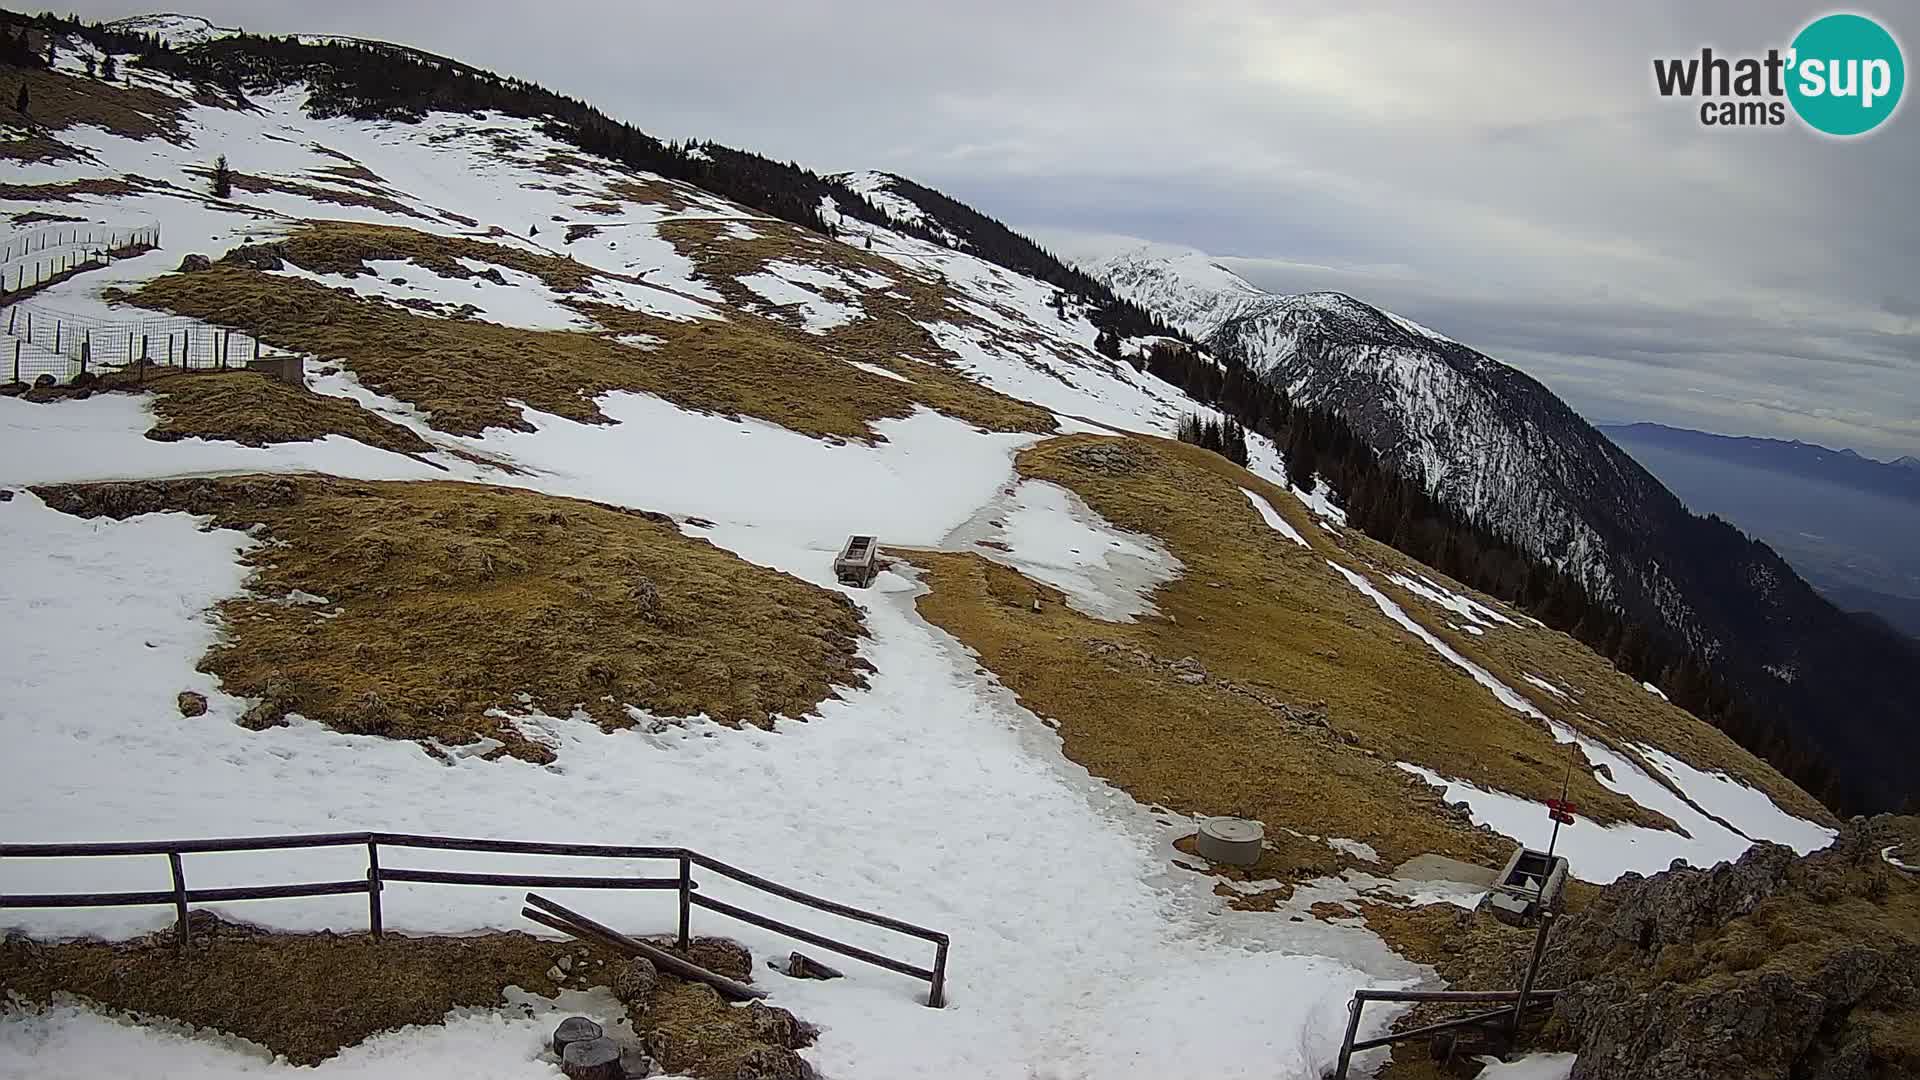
(682, 881)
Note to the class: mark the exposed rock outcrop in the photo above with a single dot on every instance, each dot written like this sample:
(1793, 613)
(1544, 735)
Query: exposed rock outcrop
(1773, 966)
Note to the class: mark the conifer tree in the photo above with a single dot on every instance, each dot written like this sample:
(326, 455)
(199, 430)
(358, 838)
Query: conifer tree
(222, 178)
(109, 68)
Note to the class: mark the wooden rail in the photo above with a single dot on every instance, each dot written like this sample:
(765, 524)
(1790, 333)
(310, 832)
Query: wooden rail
(181, 898)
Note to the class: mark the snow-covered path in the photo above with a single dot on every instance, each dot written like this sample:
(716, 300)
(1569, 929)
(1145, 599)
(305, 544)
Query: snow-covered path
(931, 795)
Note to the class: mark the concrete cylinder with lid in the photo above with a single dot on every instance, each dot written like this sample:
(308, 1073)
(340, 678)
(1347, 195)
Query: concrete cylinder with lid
(1235, 841)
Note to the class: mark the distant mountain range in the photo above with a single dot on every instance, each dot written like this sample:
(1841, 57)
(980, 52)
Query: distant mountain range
(1900, 478)
(1845, 522)
(1503, 452)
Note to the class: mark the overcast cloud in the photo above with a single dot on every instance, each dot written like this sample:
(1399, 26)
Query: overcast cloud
(1502, 173)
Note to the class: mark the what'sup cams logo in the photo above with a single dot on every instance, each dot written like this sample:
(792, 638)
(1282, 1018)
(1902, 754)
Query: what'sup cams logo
(1842, 76)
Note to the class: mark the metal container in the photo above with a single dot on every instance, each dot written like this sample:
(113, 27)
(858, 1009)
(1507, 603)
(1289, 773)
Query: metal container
(1235, 841)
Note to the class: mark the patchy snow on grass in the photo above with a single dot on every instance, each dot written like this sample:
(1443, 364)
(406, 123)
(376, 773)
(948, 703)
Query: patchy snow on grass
(1548, 687)
(523, 300)
(1355, 848)
(473, 1044)
(789, 284)
(1465, 607)
(915, 796)
(1049, 534)
(1748, 810)
(104, 438)
(1530, 1067)
(1506, 694)
(1320, 501)
(1654, 690)
(1594, 853)
(876, 369)
(923, 480)
(1273, 519)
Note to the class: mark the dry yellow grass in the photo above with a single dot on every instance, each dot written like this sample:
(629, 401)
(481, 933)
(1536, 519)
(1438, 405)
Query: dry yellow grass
(446, 603)
(1264, 617)
(66, 190)
(253, 410)
(1269, 619)
(309, 996)
(467, 373)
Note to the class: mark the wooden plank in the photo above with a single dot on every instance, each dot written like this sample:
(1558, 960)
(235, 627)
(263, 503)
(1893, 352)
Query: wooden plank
(573, 923)
(547, 881)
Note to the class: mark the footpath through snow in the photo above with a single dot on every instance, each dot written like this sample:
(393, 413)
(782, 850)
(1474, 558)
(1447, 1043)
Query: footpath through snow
(932, 796)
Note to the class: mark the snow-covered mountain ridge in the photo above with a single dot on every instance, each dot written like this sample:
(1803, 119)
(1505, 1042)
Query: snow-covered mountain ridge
(542, 547)
(1501, 449)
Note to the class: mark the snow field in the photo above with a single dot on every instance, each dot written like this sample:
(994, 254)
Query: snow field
(930, 796)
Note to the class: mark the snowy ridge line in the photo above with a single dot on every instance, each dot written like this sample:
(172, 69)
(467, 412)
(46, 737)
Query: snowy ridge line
(179, 897)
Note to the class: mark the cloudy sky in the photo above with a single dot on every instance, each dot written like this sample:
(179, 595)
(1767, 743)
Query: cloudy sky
(1503, 173)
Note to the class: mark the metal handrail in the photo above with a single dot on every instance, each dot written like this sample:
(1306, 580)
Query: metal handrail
(377, 876)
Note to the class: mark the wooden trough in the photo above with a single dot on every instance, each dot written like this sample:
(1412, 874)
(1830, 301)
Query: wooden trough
(858, 562)
(1529, 883)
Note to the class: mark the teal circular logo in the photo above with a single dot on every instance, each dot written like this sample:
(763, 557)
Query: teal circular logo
(1846, 74)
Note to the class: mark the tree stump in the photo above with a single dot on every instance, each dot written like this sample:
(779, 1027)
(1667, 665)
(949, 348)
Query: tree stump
(592, 1059)
(574, 1029)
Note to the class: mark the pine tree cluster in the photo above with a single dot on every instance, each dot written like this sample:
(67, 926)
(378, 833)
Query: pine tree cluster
(1224, 437)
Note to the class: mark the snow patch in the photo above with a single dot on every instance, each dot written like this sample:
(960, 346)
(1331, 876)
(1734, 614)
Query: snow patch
(1049, 534)
(1274, 520)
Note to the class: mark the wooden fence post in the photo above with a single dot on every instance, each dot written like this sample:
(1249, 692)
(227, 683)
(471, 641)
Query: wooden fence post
(373, 889)
(937, 993)
(86, 351)
(179, 896)
(16, 359)
(686, 902)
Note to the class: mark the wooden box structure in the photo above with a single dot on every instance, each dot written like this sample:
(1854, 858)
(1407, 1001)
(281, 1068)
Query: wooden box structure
(1530, 882)
(287, 369)
(858, 562)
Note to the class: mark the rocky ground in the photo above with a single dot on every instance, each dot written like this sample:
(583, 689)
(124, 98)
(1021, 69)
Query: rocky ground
(1768, 967)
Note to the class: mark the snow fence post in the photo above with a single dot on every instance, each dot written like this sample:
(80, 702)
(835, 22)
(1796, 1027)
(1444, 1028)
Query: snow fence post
(686, 902)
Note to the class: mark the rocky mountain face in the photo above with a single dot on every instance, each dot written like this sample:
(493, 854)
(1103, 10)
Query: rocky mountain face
(1503, 451)
(1771, 966)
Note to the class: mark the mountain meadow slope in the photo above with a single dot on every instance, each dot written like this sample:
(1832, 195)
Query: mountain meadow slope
(1713, 616)
(539, 545)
